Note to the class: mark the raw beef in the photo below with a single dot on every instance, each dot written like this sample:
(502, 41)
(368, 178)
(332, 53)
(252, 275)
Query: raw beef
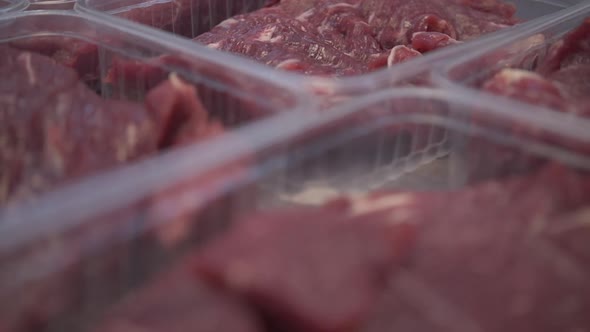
(176, 302)
(324, 273)
(47, 117)
(53, 130)
(71, 52)
(492, 268)
(561, 79)
(347, 37)
(188, 18)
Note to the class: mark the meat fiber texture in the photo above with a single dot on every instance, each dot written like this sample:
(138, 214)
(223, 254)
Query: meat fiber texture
(349, 37)
(55, 130)
(502, 255)
(559, 82)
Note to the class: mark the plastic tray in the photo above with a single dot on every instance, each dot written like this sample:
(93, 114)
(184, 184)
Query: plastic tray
(52, 4)
(466, 73)
(96, 240)
(7, 6)
(206, 13)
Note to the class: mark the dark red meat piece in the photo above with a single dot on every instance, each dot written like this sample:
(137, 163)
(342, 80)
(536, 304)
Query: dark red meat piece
(324, 272)
(528, 87)
(572, 50)
(77, 54)
(429, 41)
(271, 37)
(352, 36)
(47, 120)
(481, 261)
(188, 18)
(55, 130)
(176, 302)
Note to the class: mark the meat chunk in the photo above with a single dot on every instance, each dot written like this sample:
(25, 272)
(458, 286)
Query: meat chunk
(529, 87)
(324, 272)
(175, 301)
(188, 18)
(490, 268)
(53, 131)
(561, 79)
(347, 37)
(79, 55)
(47, 120)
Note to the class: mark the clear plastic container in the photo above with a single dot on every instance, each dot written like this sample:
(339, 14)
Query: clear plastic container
(95, 241)
(52, 4)
(7, 6)
(524, 50)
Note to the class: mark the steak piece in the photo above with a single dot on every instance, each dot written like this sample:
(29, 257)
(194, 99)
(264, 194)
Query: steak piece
(176, 302)
(396, 21)
(71, 52)
(54, 130)
(491, 268)
(325, 271)
(349, 37)
(188, 18)
(271, 37)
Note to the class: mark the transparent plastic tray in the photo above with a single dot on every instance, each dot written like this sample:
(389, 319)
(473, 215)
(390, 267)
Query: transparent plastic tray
(207, 13)
(111, 62)
(7, 6)
(52, 4)
(95, 241)
(522, 50)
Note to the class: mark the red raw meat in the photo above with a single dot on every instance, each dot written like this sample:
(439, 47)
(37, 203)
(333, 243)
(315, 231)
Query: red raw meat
(175, 302)
(528, 87)
(55, 130)
(270, 36)
(188, 18)
(481, 261)
(74, 53)
(347, 37)
(572, 50)
(325, 271)
(429, 41)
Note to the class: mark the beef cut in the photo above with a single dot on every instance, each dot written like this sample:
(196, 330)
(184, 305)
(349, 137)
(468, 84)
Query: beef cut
(560, 79)
(55, 129)
(347, 37)
(176, 302)
(499, 256)
(188, 18)
(325, 271)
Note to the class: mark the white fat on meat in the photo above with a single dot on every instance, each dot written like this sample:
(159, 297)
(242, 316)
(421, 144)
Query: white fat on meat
(228, 23)
(267, 35)
(366, 204)
(214, 45)
(342, 4)
(287, 63)
(25, 58)
(511, 75)
(305, 15)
